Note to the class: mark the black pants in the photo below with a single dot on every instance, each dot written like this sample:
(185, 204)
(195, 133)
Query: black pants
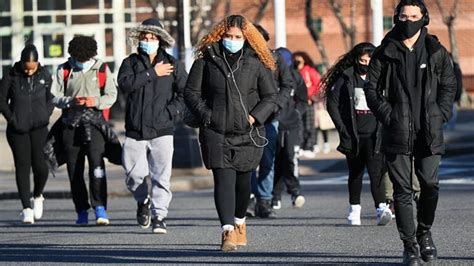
(286, 163)
(27, 149)
(308, 132)
(426, 168)
(375, 167)
(77, 150)
(325, 135)
(231, 194)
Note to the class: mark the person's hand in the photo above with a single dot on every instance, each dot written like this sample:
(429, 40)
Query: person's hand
(163, 69)
(87, 101)
(251, 120)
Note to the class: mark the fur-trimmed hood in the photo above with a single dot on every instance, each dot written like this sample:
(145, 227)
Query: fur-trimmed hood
(154, 26)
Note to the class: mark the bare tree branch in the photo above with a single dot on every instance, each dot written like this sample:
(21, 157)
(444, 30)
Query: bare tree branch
(227, 7)
(261, 11)
(311, 25)
(353, 32)
(348, 33)
(448, 20)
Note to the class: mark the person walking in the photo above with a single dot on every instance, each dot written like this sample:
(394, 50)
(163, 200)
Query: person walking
(82, 98)
(26, 104)
(288, 144)
(359, 130)
(154, 81)
(260, 204)
(311, 77)
(410, 89)
(232, 91)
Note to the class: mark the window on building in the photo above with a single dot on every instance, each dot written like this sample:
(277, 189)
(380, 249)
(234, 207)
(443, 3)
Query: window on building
(53, 45)
(5, 47)
(28, 5)
(28, 20)
(387, 22)
(85, 4)
(5, 21)
(318, 23)
(4, 6)
(52, 5)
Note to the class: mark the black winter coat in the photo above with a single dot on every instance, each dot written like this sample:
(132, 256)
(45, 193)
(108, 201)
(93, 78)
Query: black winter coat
(26, 102)
(389, 99)
(341, 108)
(290, 116)
(225, 134)
(153, 102)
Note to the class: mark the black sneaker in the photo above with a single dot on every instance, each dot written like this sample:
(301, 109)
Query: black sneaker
(427, 247)
(251, 207)
(143, 213)
(264, 209)
(410, 254)
(276, 203)
(159, 226)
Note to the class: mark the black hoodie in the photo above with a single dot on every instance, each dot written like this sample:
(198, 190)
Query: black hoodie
(26, 101)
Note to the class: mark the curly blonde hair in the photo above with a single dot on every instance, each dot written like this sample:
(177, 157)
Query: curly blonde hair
(251, 35)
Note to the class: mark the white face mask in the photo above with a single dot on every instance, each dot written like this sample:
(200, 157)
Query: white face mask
(149, 47)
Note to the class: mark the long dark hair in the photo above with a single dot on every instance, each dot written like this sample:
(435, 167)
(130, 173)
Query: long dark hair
(344, 62)
(306, 58)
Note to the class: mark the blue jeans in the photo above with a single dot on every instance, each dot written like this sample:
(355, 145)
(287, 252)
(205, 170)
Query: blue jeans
(262, 186)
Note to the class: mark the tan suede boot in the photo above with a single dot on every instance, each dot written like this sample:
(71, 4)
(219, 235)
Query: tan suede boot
(241, 233)
(229, 240)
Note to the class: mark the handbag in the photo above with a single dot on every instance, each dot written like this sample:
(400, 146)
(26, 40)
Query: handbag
(324, 119)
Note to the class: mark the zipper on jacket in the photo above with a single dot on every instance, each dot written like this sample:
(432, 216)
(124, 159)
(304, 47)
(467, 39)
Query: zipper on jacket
(30, 81)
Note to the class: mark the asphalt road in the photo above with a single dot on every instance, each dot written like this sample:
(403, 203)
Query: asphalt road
(316, 234)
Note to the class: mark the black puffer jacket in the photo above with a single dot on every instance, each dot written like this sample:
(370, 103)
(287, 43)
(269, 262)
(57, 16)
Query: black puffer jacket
(26, 102)
(153, 102)
(291, 114)
(211, 94)
(341, 108)
(389, 99)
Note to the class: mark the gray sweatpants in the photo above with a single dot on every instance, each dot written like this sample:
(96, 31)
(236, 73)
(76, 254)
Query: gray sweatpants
(149, 157)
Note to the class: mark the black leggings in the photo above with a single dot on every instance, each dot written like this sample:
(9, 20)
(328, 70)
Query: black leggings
(376, 167)
(231, 193)
(325, 135)
(27, 149)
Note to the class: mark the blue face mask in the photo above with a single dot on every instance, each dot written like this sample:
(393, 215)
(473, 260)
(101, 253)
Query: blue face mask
(84, 65)
(233, 46)
(149, 47)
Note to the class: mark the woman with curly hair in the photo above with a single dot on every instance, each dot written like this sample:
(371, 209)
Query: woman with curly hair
(359, 134)
(232, 92)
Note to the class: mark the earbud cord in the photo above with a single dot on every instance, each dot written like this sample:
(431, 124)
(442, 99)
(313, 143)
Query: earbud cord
(242, 102)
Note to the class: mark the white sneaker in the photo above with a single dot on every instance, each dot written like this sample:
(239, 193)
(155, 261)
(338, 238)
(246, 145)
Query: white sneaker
(38, 207)
(384, 215)
(316, 149)
(27, 216)
(298, 201)
(354, 215)
(309, 154)
(326, 148)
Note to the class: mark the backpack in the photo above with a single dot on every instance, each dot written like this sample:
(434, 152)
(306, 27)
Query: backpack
(101, 75)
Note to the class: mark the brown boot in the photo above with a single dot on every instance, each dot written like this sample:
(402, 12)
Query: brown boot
(229, 240)
(241, 233)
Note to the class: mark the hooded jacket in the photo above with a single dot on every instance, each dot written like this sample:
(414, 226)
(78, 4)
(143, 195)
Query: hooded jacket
(26, 102)
(153, 102)
(225, 134)
(390, 100)
(341, 108)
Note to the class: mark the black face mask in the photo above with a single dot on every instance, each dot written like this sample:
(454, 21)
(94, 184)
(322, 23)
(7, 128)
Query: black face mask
(362, 69)
(408, 29)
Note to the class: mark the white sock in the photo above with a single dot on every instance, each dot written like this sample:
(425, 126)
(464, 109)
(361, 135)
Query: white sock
(239, 221)
(227, 227)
